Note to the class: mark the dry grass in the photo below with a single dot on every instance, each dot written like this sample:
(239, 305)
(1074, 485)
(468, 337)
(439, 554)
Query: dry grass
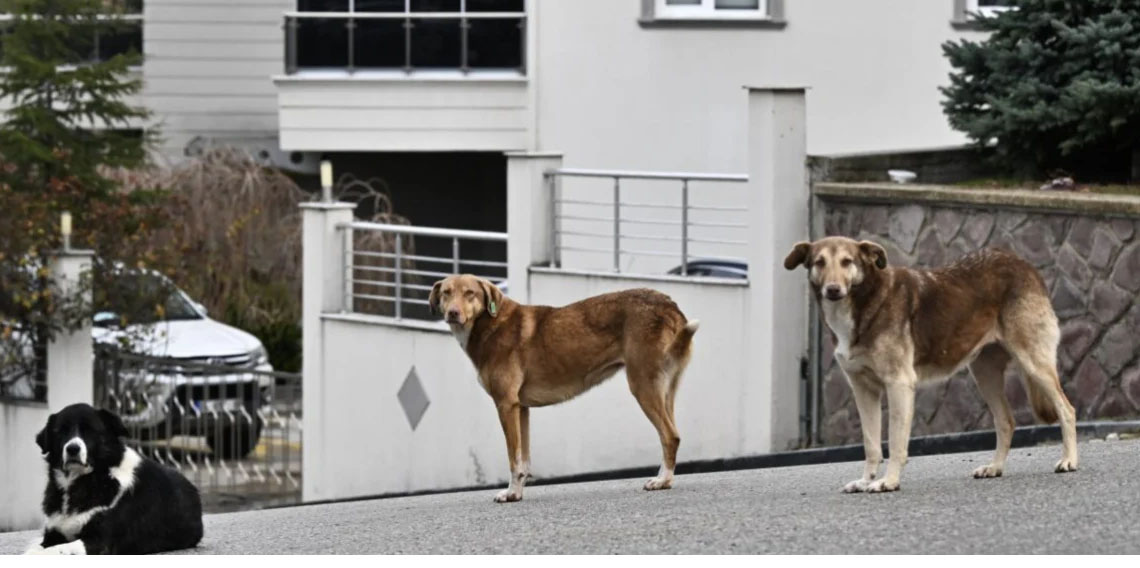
(236, 238)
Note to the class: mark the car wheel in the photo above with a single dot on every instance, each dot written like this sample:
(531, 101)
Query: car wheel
(236, 441)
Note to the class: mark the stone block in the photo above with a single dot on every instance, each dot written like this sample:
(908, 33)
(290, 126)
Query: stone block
(1116, 348)
(1122, 228)
(1089, 386)
(947, 222)
(1114, 405)
(930, 252)
(872, 220)
(1104, 247)
(1007, 221)
(1068, 301)
(1074, 267)
(1107, 302)
(1077, 336)
(977, 228)
(1127, 272)
(1081, 236)
(836, 391)
(1034, 242)
(904, 225)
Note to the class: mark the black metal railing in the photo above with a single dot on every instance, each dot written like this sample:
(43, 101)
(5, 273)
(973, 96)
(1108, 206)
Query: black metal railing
(408, 42)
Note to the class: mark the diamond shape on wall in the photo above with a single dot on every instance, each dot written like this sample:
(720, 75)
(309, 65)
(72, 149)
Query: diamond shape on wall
(413, 399)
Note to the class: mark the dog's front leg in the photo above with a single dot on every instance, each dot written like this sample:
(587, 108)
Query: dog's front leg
(900, 399)
(510, 416)
(73, 548)
(868, 401)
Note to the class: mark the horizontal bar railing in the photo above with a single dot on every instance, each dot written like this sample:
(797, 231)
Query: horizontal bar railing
(295, 47)
(405, 276)
(618, 220)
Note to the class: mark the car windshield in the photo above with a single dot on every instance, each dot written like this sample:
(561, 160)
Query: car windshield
(145, 298)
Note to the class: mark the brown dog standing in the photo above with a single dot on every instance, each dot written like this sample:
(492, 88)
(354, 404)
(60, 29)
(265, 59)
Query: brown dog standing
(895, 327)
(538, 355)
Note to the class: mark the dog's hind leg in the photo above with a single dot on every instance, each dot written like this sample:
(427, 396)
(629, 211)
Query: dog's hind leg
(988, 370)
(1031, 336)
(524, 435)
(650, 388)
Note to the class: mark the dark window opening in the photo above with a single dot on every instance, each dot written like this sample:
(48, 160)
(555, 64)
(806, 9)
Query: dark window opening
(366, 35)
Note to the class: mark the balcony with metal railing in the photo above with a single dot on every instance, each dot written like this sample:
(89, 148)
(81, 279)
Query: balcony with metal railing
(405, 75)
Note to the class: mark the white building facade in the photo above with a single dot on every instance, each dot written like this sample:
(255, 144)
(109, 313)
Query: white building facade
(647, 84)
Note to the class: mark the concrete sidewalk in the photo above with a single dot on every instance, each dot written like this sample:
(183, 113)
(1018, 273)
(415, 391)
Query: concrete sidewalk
(940, 509)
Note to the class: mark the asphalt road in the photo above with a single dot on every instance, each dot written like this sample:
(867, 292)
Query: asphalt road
(940, 509)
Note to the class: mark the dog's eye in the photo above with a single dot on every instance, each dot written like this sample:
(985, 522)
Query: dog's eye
(819, 262)
(469, 294)
(845, 262)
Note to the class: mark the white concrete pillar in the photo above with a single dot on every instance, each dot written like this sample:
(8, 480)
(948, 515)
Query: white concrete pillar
(70, 372)
(322, 290)
(529, 217)
(778, 196)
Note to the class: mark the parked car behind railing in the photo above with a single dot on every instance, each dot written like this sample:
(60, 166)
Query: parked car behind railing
(177, 394)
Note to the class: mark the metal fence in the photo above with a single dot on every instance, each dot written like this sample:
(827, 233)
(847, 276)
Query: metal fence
(233, 430)
(395, 278)
(405, 40)
(678, 220)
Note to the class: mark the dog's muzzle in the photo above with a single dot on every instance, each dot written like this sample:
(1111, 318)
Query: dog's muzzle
(833, 292)
(75, 453)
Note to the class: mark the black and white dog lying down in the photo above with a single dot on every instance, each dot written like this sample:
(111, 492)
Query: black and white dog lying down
(104, 498)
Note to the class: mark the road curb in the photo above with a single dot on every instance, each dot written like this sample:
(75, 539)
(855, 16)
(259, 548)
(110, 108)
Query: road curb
(919, 446)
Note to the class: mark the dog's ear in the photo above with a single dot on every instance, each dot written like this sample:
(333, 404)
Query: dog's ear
(492, 297)
(112, 422)
(43, 439)
(875, 253)
(433, 298)
(799, 256)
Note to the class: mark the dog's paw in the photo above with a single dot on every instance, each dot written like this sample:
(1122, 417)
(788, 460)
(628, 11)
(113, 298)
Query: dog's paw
(883, 486)
(73, 548)
(35, 549)
(1066, 465)
(508, 496)
(987, 471)
(857, 486)
(657, 483)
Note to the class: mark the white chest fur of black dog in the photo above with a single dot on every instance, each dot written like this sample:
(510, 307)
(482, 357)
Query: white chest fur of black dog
(104, 498)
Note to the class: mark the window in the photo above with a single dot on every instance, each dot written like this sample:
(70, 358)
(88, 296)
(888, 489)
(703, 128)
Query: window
(117, 32)
(967, 12)
(710, 9)
(988, 7)
(407, 35)
(713, 13)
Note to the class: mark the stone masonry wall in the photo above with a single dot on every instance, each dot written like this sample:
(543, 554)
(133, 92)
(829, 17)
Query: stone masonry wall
(1091, 265)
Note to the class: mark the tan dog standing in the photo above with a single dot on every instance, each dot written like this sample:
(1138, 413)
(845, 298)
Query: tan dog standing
(895, 327)
(529, 356)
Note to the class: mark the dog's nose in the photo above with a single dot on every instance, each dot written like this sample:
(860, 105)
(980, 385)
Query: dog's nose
(833, 292)
(72, 450)
(453, 314)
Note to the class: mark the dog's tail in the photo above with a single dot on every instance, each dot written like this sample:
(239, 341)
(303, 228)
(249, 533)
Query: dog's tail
(1043, 408)
(679, 349)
